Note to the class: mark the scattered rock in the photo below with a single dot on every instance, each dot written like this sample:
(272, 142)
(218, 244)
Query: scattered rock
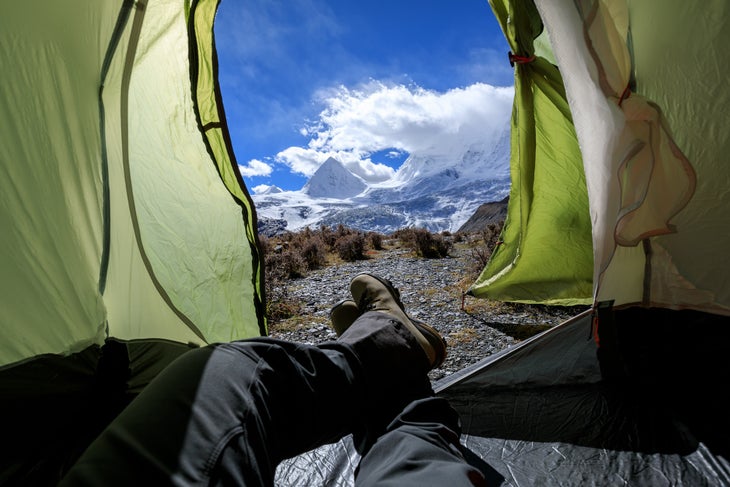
(270, 227)
(430, 290)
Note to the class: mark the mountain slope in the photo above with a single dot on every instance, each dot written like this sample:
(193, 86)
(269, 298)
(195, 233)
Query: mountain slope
(437, 192)
(492, 212)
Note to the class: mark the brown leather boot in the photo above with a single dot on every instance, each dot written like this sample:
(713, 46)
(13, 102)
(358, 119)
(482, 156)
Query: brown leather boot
(373, 293)
(344, 314)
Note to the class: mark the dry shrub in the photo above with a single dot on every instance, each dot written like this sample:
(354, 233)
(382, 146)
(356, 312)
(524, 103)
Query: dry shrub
(313, 252)
(351, 247)
(328, 236)
(281, 306)
(481, 256)
(343, 231)
(265, 245)
(483, 253)
(280, 264)
(285, 264)
(375, 240)
(490, 236)
(424, 243)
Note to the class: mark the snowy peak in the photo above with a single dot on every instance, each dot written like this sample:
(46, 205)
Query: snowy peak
(333, 180)
(271, 190)
(436, 191)
(475, 161)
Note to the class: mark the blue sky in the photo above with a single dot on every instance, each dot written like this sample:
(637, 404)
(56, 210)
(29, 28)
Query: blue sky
(365, 82)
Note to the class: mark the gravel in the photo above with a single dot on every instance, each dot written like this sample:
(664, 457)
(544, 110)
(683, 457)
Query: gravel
(432, 291)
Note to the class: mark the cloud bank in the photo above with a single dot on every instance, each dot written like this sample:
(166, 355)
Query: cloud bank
(357, 123)
(255, 168)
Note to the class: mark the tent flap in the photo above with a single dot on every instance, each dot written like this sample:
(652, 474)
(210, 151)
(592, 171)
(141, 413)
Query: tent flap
(545, 253)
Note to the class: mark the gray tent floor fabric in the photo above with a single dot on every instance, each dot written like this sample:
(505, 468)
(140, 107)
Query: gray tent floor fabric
(661, 420)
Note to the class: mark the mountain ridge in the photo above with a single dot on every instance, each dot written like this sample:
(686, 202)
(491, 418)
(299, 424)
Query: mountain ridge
(434, 192)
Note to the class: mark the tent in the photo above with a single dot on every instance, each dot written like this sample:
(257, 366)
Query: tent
(129, 237)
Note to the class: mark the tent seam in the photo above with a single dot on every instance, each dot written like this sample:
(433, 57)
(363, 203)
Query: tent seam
(126, 76)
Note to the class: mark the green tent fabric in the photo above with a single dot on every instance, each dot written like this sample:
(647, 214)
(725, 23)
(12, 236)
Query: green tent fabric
(647, 91)
(545, 254)
(128, 235)
(123, 220)
(642, 141)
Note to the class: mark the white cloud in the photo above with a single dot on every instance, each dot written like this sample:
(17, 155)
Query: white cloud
(394, 154)
(375, 117)
(301, 160)
(255, 168)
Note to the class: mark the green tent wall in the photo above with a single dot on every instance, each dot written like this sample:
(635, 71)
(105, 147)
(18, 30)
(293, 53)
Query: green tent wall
(128, 235)
(643, 130)
(545, 255)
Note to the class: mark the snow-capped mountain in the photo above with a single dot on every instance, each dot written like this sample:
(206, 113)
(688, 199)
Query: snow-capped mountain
(435, 192)
(333, 180)
(271, 190)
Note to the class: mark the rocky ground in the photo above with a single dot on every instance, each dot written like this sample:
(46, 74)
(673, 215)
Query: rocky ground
(432, 291)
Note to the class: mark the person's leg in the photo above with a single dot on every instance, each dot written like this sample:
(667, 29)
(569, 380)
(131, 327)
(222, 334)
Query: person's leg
(420, 445)
(229, 413)
(420, 448)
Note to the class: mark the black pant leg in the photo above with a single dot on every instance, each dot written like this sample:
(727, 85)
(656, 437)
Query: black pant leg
(227, 414)
(420, 448)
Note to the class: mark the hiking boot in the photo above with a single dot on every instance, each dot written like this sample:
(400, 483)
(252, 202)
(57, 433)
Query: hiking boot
(344, 314)
(373, 293)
